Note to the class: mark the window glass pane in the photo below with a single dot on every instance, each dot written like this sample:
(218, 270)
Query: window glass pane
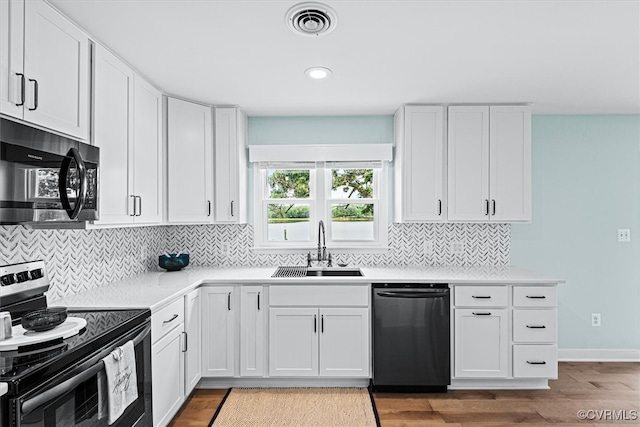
(288, 222)
(351, 183)
(288, 183)
(352, 221)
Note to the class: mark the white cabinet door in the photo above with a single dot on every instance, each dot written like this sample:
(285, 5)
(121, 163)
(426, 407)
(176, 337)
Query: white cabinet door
(218, 342)
(468, 163)
(510, 163)
(293, 342)
(481, 343)
(344, 342)
(231, 165)
(12, 57)
(189, 163)
(147, 152)
(167, 365)
(252, 333)
(419, 179)
(112, 133)
(489, 163)
(193, 328)
(57, 67)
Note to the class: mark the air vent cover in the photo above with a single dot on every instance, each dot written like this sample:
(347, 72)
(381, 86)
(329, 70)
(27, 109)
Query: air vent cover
(311, 19)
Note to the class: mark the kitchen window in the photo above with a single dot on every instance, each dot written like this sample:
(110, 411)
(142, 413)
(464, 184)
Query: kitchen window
(349, 197)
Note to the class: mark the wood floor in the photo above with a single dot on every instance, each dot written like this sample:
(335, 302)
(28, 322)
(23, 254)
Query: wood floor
(608, 392)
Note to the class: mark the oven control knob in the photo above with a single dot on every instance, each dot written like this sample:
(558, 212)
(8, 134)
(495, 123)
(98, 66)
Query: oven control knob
(36, 274)
(8, 279)
(23, 276)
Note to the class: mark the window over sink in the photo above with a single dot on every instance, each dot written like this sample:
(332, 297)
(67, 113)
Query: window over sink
(292, 197)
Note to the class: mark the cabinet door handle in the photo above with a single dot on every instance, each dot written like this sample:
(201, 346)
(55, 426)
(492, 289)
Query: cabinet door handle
(134, 205)
(139, 205)
(486, 206)
(536, 296)
(258, 300)
(481, 296)
(542, 362)
(184, 350)
(439, 207)
(482, 314)
(229, 301)
(208, 207)
(536, 327)
(35, 95)
(23, 84)
(174, 317)
(493, 207)
(315, 324)
(232, 208)
(322, 323)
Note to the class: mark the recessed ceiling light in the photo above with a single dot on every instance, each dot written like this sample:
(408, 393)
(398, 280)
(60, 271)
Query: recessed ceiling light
(318, 73)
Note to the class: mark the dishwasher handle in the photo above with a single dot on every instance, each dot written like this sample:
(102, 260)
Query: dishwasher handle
(414, 294)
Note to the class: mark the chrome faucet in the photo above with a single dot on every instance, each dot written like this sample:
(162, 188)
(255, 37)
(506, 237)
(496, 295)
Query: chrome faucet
(322, 248)
(322, 252)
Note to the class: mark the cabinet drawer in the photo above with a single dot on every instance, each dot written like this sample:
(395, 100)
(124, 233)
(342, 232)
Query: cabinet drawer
(534, 296)
(166, 319)
(319, 296)
(538, 326)
(480, 296)
(535, 361)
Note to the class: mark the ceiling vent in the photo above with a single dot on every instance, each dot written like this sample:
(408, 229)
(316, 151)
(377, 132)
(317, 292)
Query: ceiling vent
(311, 19)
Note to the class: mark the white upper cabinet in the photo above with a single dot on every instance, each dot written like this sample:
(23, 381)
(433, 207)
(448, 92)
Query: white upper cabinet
(127, 128)
(45, 68)
(489, 163)
(189, 163)
(230, 165)
(419, 163)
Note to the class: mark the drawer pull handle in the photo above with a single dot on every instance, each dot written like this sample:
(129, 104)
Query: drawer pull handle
(536, 326)
(481, 296)
(536, 362)
(175, 316)
(315, 323)
(229, 301)
(536, 296)
(482, 314)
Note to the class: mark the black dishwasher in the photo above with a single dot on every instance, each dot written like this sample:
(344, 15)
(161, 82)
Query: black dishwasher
(411, 337)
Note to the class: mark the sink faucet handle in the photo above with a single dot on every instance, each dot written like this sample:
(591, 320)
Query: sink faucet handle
(329, 264)
(309, 259)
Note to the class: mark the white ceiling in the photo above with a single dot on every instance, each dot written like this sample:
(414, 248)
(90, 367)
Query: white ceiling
(562, 56)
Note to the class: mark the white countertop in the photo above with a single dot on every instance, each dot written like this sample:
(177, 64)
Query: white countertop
(154, 290)
(3, 389)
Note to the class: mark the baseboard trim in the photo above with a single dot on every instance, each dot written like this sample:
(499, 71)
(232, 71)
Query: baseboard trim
(598, 355)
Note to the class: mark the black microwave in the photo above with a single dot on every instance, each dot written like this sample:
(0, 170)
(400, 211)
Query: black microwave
(46, 178)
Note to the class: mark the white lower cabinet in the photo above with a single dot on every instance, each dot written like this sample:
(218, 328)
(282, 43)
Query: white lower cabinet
(481, 340)
(293, 342)
(167, 362)
(252, 331)
(193, 349)
(218, 331)
(506, 333)
(311, 341)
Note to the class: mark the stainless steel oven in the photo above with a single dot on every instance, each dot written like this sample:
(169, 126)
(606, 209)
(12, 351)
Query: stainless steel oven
(71, 398)
(52, 377)
(46, 178)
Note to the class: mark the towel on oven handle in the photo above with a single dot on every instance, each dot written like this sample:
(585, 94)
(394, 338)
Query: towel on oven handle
(118, 384)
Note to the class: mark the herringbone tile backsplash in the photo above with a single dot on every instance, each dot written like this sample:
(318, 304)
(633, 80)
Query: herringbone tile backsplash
(84, 259)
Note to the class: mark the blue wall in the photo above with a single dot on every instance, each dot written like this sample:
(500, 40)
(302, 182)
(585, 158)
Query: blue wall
(586, 185)
(320, 130)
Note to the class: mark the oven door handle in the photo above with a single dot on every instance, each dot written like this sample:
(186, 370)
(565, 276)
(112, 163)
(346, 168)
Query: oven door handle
(89, 369)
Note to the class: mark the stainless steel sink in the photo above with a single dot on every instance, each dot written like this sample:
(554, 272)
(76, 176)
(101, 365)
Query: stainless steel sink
(334, 272)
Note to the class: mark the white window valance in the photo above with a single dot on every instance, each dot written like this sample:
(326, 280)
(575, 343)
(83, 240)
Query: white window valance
(324, 153)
